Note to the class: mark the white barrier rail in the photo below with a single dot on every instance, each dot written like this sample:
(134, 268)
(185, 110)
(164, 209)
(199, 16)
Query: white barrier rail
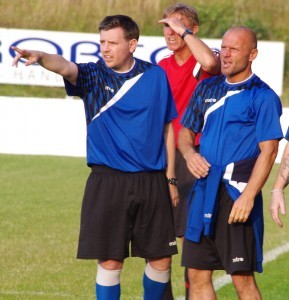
(54, 127)
(42, 126)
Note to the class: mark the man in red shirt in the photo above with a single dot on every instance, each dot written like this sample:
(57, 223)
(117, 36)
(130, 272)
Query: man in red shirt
(190, 62)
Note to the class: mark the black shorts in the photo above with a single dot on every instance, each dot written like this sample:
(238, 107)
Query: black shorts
(185, 183)
(122, 208)
(231, 248)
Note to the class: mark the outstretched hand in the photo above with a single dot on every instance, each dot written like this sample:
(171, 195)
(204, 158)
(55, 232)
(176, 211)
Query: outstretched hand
(31, 56)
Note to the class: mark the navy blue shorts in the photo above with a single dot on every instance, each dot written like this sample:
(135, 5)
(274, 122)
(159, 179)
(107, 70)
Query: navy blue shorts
(231, 248)
(122, 209)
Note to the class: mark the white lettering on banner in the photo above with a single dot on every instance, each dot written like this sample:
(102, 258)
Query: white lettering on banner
(84, 47)
(35, 76)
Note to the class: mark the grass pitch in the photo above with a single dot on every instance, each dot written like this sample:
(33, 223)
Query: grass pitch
(40, 200)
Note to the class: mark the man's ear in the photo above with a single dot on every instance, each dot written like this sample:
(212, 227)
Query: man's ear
(253, 54)
(195, 29)
(132, 45)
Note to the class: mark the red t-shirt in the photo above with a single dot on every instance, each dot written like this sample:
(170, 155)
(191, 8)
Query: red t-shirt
(183, 81)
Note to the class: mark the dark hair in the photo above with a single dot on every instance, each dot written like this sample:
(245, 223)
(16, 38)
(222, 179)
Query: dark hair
(129, 26)
(185, 10)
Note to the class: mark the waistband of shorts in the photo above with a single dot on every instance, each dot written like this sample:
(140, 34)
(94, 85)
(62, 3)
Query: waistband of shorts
(106, 169)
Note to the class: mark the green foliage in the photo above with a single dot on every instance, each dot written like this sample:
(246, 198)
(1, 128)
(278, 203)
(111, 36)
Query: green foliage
(219, 14)
(269, 19)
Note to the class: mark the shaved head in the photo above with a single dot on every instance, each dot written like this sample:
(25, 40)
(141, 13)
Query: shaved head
(247, 33)
(238, 50)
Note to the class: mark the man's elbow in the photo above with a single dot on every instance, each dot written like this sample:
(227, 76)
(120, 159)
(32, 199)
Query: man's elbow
(213, 66)
(271, 150)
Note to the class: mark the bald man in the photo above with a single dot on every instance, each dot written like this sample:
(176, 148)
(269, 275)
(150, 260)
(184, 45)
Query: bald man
(238, 115)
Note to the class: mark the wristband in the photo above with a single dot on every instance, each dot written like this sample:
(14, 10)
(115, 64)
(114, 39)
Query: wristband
(277, 190)
(187, 31)
(173, 181)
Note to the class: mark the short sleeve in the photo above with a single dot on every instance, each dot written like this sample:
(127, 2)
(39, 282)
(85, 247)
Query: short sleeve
(287, 134)
(268, 108)
(193, 117)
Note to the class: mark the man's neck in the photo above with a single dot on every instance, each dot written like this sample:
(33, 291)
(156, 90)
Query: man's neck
(182, 56)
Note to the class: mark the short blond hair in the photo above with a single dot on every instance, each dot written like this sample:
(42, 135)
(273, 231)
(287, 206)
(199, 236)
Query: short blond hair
(185, 10)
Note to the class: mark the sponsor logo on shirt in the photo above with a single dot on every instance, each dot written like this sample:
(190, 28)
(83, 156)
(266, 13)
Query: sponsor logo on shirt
(237, 259)
(210, 100)
(208, 216)
(107, 88)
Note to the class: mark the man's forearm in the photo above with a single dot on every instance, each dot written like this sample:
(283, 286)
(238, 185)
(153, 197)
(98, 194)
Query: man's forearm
(52, 62)
(58, 64)
(171, 150)
(262, 168)
(203, 54)
(282, 179)
(186, 141)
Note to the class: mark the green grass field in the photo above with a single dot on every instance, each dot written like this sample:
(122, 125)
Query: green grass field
(40, 199)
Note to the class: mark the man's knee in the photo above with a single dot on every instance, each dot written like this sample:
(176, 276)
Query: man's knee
(199, 279)
(160, 264)
(246, 286)
(111, 264)
(201, 284)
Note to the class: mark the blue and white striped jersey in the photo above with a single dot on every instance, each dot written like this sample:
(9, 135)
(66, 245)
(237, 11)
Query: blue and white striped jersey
(126, 114)
(233, 118)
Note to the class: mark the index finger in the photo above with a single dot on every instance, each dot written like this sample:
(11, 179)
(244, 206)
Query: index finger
(17, 56)
(278, 221)
(206, 162)
(231, 218)
(234, 214)
(16, 49)
(275, 217)
(176, 201)
(162, 21)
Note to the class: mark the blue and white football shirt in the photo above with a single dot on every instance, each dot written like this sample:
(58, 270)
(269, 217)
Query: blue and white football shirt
(233, 118)
(126, 114)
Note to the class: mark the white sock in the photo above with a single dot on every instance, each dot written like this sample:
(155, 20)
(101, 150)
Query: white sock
(106, 277)
(158, 276)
